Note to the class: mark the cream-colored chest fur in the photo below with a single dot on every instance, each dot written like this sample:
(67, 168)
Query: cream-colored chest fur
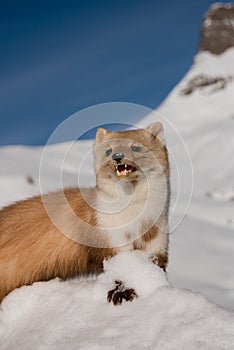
(125, 213)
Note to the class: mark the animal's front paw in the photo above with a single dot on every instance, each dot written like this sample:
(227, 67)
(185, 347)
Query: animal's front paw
(119, 293)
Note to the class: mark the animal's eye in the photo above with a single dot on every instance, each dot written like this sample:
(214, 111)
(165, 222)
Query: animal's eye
(108, 151)
(136, 148)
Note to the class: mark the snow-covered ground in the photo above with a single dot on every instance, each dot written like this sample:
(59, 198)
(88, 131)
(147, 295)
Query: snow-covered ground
(75, 314)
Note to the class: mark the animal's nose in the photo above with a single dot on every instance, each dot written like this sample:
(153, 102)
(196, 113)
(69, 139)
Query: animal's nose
(118, 156)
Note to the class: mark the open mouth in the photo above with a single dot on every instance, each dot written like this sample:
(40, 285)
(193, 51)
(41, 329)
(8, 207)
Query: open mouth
(124, 169)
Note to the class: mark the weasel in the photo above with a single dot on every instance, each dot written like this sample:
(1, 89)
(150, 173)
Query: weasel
(70, 232)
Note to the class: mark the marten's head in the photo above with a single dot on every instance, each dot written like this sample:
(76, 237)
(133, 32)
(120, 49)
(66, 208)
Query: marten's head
(129, 156)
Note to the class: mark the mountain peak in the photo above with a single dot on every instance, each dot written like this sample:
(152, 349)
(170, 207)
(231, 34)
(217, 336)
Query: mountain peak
(217, 31)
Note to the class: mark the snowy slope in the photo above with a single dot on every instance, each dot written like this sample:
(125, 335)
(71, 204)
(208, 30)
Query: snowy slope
(202, 247)
(74, 314)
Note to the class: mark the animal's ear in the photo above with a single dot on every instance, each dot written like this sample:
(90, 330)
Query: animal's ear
(156, 130)
(100, 135)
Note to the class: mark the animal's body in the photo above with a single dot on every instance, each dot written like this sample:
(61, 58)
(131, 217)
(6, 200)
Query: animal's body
(70, 232)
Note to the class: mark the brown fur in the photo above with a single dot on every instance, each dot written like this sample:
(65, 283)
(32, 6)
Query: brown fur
(151, 234)
(33, 248)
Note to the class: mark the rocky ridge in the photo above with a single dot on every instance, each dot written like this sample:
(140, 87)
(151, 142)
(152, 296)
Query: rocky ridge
(217, 31)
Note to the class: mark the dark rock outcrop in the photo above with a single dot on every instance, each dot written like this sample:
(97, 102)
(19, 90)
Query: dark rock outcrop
(217, 32)
(205, 84)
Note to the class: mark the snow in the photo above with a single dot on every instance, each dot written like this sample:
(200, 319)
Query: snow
(136, 271)
(202, 247)
(75, 314)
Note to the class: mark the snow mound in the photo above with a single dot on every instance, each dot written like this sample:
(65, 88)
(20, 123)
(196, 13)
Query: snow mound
(75, 314)
(135, 271)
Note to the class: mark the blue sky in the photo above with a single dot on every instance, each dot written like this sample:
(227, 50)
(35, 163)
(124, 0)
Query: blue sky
(58, 57)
